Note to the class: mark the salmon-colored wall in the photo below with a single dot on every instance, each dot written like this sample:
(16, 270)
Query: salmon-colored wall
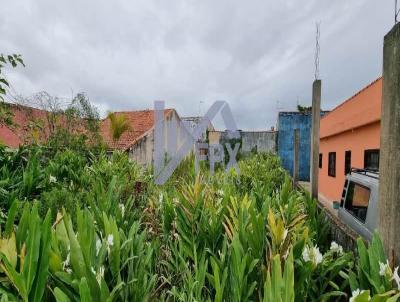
(352, 126)
(357, 141)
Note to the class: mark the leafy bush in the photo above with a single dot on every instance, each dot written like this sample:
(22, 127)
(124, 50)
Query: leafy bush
(24, 255)
(85, 227)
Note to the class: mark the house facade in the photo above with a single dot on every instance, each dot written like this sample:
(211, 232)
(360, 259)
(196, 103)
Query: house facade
(350, 138)
(138, 140)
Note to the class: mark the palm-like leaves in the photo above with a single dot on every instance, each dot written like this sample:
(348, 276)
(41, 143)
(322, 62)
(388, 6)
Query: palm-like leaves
(119, 124)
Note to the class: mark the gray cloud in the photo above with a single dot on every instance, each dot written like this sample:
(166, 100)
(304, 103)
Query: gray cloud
(258, 55)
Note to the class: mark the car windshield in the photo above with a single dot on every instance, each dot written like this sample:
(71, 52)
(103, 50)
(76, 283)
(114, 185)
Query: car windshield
(357, 200)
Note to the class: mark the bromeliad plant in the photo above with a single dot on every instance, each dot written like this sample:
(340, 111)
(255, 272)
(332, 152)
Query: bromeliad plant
(24, 255)
(221, 237)
(78, 260)
(320, 276)
(249, 236)
(278, 287)
(100, 262)
(373, 275)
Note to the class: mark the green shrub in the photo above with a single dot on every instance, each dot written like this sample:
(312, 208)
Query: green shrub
(221, 237)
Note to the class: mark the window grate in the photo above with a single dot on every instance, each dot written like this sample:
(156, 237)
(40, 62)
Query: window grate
(347, 162)
(332, 164)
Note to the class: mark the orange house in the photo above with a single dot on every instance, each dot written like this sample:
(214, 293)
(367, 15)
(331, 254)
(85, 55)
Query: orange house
(349, 138)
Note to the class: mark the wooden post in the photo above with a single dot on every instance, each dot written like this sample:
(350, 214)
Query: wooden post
(389, 163)
(296, 142)
(314, 156)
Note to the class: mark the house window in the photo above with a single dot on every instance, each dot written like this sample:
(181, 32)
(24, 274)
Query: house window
(320, 161)
(357, 201)
(371, 159)
(347, 162)
(332, 164)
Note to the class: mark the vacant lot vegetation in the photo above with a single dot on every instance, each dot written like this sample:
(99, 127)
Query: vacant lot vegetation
(82, 226)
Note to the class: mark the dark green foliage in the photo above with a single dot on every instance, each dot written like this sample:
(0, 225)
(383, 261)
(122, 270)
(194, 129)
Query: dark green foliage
(304, 109)
(6, 116)
(225, 237)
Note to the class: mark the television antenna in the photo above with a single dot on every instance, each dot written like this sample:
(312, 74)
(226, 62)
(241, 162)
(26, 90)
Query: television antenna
(317, 50)
(200, 103)
(278, 106)
(396, 12)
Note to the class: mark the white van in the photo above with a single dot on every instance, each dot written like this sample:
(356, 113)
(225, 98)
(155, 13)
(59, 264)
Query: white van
(359, 204)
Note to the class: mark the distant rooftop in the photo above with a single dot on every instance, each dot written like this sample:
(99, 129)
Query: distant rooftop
(287, 113)
(139, 121)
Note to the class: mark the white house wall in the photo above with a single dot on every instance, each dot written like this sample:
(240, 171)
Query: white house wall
(174, 135)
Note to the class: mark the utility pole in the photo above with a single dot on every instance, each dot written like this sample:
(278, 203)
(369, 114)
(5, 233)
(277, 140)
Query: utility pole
(296, 142)
(389, 163)
(316, 116)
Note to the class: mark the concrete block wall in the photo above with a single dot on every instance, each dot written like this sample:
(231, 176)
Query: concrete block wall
(260, 141)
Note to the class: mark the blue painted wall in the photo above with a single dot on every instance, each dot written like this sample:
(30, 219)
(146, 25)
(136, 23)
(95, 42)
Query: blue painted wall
(287, 122)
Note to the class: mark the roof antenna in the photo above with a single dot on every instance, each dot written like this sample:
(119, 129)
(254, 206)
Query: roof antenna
(317, 50)
(200, 103)
(396, 12)
(279, 106)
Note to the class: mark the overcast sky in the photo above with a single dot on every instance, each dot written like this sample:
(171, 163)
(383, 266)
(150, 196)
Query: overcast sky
(256, 55)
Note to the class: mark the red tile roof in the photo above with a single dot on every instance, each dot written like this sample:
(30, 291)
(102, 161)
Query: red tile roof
(19, 133)
(140, 122)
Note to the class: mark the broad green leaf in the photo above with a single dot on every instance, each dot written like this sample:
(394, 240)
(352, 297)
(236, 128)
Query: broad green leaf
(60, 296)
(288, 278)
(43, 268)
(76, 257)
(84, 291)
(15, 278)
(23, 226)
(10, 219)
(9, 249)
(32, 248)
